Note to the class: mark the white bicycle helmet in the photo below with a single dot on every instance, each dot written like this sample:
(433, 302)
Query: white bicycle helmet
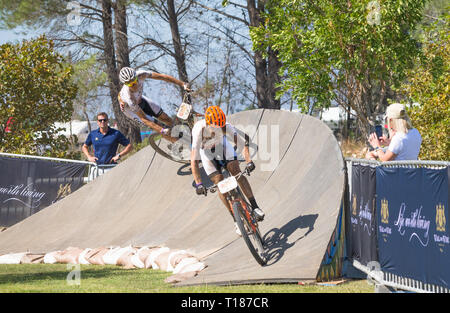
(127, 74)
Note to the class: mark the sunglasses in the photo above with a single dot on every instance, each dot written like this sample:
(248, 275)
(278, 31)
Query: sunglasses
(132, 83)
(102, 120)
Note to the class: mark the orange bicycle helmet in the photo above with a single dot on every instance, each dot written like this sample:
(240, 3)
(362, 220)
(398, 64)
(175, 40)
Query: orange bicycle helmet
(215, 117)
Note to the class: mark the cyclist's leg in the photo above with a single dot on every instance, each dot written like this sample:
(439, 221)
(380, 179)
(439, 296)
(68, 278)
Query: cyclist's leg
(152, 109)
(165, 119)
(233, 168)
(212, 168)
(133, 116)
(232, 165)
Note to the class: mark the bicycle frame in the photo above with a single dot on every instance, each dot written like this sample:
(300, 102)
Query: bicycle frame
(244, 218)
(229, 186)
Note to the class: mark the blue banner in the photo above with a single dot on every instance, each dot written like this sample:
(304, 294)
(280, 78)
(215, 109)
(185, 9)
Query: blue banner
(362, 240)
(29, 185)
(412, 215)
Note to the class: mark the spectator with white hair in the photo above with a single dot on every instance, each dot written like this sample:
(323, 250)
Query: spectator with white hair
(404, 140)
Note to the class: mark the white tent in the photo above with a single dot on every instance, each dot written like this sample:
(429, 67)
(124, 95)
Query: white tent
(78, 128)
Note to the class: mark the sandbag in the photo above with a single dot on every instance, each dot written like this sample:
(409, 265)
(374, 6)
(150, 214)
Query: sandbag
(95, 256)
(125, 259)
(150, 261)
(50, 258)
(182, 266)
(114, 254)
(12, 258)
(176, 258)
(31, 258)
(68, 256)
(82, 257)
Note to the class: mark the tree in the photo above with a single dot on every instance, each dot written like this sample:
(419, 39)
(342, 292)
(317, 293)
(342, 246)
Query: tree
(89, 76)
(428, 85)
(346, 52)
(82, 36)
(36, 91)
(170, 13)
(265, 61)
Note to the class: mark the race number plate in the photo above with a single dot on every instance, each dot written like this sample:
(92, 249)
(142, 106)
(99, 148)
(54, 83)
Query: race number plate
(183, 111)
(227, 185)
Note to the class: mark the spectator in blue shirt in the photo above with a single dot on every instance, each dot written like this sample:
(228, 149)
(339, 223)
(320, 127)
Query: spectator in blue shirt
(105, 141)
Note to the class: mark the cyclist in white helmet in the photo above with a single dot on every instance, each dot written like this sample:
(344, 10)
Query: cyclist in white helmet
(138, 107)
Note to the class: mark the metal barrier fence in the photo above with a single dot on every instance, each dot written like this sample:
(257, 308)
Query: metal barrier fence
(373, 271)
(94, 170)
(31, 183)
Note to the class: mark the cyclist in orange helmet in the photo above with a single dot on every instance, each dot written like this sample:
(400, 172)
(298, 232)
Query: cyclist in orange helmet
(210, 145)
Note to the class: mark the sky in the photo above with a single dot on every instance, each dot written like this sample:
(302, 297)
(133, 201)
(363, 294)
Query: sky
(12, 36)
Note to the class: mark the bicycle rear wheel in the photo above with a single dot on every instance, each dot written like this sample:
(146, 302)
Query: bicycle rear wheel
(250, 232)
(179, 151)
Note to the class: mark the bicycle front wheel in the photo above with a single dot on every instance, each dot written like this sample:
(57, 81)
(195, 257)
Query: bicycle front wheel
(178, 151)
(250, 232)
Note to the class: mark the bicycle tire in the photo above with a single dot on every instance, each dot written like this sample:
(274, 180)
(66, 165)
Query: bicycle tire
(250, 233)
(165, 148)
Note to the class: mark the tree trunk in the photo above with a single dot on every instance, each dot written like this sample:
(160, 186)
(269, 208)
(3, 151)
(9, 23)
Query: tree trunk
(120, 26)
(129, 130)
(180, 57)
(266, 71)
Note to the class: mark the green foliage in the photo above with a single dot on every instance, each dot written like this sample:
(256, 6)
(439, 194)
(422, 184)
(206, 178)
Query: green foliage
(36, 91)
(428, 84)
(343, 51)
(31, 12)
(89, 76)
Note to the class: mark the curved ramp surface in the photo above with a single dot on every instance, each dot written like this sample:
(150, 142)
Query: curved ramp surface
(149, 200)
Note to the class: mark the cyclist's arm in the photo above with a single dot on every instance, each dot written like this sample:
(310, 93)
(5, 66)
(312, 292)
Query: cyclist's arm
(148, 122)
(245, 143)
(169, 79)
(144, 74)
(121, 102)
(194, 166)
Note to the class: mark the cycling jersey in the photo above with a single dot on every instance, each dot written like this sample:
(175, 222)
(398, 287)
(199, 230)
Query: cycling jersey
(214, 150)
(135, 100)
(207, 137)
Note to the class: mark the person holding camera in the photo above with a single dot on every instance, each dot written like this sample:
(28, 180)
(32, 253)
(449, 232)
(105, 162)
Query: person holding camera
(404, 140)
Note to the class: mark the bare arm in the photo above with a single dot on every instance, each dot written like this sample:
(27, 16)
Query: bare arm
(154, 126)
(383, 156)
(124, 152)
(147, 122)
(386, 156)
(245, 149)
(169, 79)
(85, 150)
(194, 166)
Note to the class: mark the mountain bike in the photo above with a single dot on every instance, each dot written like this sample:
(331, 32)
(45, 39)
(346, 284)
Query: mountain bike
(178, 147)
(242, 211)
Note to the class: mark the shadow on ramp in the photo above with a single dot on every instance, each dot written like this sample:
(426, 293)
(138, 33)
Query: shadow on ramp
(278, 240)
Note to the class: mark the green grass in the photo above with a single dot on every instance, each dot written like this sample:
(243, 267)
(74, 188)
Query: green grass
(52, 278)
